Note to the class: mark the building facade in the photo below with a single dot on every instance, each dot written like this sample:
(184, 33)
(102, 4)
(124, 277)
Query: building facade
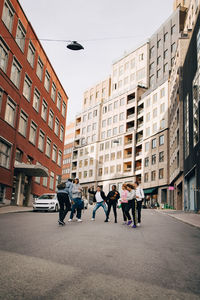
(33, 108)
(68, 149)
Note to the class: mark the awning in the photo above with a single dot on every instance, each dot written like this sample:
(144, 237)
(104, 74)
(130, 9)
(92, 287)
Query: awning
(150, 191)
(32, 170)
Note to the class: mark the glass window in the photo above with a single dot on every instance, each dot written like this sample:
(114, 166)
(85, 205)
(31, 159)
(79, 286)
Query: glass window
(94, 126)
(161, 140)
(41, 140)
(31, 54)
(115, 104)
(115, 119)
(23, 123)
(121, 116)
(61, 133)
(162, 124)
(161, 173)
(158, 60)
(166, 36)
(115, 131)
(133, 63)
(110, 107)
(148, 116)
(103, 124)
(162, 92)
(173, 47)
(5, 154)
(173, 28)
(166, 68)
(109, 121)
(4, 50)
(59, 158)
(155, 112)
(44, 110)
(15, 72)
(36, 100)
(153, 159)
(33, 132)
(51, 183)
(51, 117)
(59, 99)
(121, 129)
(27, 88)
(8, 15)
(161, 156)
(39, 70)
(89, 128)
(146, 177)
(20, 36)
(56, 128)
(54, 153)
(153, 175)
(162, 108)
(48, 147)
(154, 127)
(153, 143)
(53, 92)
(109, 133)
(122, 101)
(95, 113)
(10, 112)
(147, 131)
(146, 146)
(152, 51)
(146, 161)
(103, 135)
(47, 81)
(165, 53)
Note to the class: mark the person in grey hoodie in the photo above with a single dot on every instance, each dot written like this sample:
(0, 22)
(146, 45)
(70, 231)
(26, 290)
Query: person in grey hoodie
(76, 192)
(64, 196)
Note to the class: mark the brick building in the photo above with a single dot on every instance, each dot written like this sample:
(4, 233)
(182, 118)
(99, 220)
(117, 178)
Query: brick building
(33, 107)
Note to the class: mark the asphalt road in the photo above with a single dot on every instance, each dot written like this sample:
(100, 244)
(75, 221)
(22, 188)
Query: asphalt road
(97, 260)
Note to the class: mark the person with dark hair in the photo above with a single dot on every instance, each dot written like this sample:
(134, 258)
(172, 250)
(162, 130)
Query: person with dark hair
(112, 199)
(124, 202)
(139, 198)
(64, 196)
(100, 199)
(131, 205)
(76, 192)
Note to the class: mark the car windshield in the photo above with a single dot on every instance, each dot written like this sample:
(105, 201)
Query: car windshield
(47, 196)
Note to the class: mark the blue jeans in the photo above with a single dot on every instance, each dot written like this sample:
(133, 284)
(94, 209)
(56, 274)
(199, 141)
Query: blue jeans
(99, 204)
(77, 205)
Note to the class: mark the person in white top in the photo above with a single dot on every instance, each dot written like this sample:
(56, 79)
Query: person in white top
(100, 199)
(139, 198)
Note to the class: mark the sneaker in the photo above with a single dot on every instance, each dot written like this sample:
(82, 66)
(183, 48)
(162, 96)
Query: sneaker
(70, 220)
(61, 223)
(129, 223)
(115, 221)
(124, 223)
(138, 224)
(106, 220)
(79, 220)
(93, 219)
(134, 226)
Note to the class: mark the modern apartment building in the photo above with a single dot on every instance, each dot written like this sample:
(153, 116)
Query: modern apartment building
(33, 108)
(68, 149)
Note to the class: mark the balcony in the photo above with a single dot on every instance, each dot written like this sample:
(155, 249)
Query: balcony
(140, 125)
(139, 140)
(141, 111)
(129, 142)
(138, 168)
(131, 116)
(75, 156)
(74, 168)
(127, 170)
(138, 154)
(130, 129)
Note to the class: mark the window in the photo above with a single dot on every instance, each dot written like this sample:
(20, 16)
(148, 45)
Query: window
(153, 143)
(162, 108)
(3, 55)
(105, 170)
(119, 154)
(33, 132)
(148, 102)
(158, 43)
(44, 110)
(1, 96)
(122, 101)
(104, 109)
(56, 128)
(83, 130)
(162, 92)
(41, 140)
(100, 171)
(133, 63)
(146, 162)
(115, 104)
(166, 36)
(146, 146)
(36, 100)
(161, 156)
(85, 174)
(165, 53)
(161, 140)
(120, 70)
(153, 159)
(148, 131)
(154, 127)
(152, 50)
(92, 149)
(112, 169)
(109, 121)
(93, 137)
(103, 92)
(126, 80)
(140, 74)
(10, 112)
(27, 88)
(101, 159)
(40, 67)
(54, 153)
(15, 72)
(90, 173)
(110, 107)
(115, 119)
(173, 47)
(173, 29)
(119, 168)
(141, 56)
(5, 154)
(115, 131)
(94, 126)
(172, 61)
(47, 81)
(155, 112)
(162, 124)
(109, 133)
(51, 117)
(23, 123)
(158, 60)
(59, 158)
(158, 73)
(121, 116)
(31, 54)
(153, 175)
(80, 164)
(151, 67)
(59, 99)
(132, 77)
(166, 67)
(61, 133)
(84, 118)
(126, 66)
(151, 80)
(103, 135)
(146, 177)
(148, 116)
(51, 183)
(89, 128)
(103, 124)
(121, 129)
(20, 36)
(106, 157)
(48, 147)
(44, 181)
(161, 173)
(107, 145)
(101, 146)
(8, 15)
(53, 92)
(95, 113)
(89, 115)
(112, 156)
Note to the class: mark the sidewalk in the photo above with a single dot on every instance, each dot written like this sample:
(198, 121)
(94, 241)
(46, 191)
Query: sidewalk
(13, 209)
(186, 217)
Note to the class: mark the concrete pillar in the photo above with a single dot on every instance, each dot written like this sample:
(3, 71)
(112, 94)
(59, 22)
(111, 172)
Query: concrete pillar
(18, 188)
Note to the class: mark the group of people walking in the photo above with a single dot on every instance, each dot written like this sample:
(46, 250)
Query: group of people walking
(70, 199)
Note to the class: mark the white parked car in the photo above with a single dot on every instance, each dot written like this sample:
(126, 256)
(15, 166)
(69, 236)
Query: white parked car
(48, 202)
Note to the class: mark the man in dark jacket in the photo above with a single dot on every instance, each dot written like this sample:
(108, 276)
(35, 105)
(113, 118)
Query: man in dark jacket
(100, 199)
(112, 199)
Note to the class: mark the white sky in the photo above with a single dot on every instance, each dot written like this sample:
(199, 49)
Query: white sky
(101, 26)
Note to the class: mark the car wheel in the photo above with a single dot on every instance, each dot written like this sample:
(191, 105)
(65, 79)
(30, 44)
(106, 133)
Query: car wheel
(56, 208)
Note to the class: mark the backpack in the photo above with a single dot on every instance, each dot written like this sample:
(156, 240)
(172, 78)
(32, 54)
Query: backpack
(61, 186)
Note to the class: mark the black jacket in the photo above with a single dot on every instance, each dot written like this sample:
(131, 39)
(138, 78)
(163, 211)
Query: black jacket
(113, 196)
(103, 196)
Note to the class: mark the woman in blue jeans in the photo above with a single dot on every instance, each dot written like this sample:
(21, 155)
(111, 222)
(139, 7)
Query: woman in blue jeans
(76, 193)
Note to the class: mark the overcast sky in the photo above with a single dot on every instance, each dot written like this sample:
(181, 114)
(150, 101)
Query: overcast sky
(106, 29)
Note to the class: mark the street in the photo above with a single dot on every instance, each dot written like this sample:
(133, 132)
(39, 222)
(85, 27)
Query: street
(97, 260)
